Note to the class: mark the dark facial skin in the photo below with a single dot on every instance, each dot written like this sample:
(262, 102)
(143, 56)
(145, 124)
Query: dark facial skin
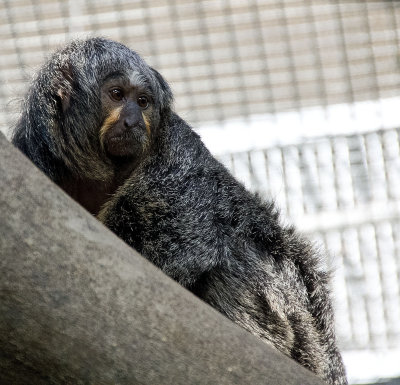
(127, 107)
(124, 136)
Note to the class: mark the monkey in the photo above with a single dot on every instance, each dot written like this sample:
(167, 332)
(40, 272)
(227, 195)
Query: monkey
(100, 122)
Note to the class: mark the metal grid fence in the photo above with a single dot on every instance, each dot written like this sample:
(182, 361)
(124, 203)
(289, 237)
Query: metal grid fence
(344, 192)
(223, 58)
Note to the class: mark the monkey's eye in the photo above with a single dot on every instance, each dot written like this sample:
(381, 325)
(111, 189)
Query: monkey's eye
(117, 94)
(143, 102)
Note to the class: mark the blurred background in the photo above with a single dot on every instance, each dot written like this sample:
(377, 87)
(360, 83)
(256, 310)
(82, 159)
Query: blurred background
(300, 99)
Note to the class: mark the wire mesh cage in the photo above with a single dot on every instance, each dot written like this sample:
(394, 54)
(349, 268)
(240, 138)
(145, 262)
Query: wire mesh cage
(343, 191)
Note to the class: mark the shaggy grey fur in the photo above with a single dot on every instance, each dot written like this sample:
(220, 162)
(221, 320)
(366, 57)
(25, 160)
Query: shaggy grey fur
(181, 209)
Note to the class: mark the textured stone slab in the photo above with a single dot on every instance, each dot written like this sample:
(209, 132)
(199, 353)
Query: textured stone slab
(78, 306)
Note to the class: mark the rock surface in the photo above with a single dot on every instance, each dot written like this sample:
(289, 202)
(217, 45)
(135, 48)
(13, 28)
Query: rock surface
(78, 306)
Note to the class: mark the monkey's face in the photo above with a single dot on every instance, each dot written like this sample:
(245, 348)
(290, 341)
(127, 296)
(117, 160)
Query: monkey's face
(93, 106)
(127, 105)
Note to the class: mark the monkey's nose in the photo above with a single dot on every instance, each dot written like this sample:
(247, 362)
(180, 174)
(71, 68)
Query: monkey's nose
(130, 122)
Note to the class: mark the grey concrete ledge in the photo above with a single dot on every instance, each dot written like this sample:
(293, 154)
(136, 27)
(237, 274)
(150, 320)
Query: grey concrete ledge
(78, 306)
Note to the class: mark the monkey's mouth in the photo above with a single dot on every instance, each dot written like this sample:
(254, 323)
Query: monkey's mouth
(127, 136)
(127, 143)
